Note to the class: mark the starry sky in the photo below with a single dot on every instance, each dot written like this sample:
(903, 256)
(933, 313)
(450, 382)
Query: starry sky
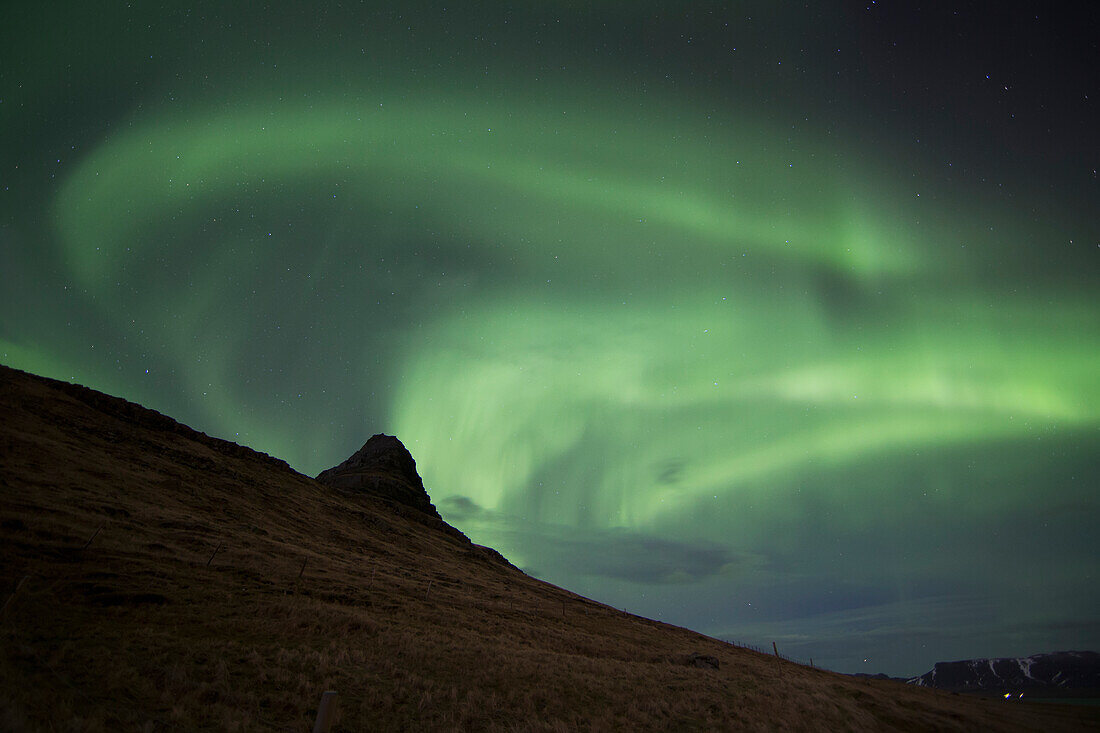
(777, 321)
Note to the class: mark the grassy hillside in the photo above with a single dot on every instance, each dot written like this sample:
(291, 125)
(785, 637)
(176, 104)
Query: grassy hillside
(158, 579)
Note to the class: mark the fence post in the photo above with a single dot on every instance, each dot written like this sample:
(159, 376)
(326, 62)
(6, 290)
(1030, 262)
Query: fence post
(326, 712)
(774, 649)
(94, 535)
(14, 593)
(216, 551)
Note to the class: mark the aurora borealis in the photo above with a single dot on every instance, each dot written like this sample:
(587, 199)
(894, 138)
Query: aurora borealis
(779, 324)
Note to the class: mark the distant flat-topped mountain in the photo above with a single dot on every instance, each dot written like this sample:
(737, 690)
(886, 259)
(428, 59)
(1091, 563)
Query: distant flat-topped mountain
(1078, 672)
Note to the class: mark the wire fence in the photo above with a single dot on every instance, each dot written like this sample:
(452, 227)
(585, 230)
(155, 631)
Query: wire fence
(773, 651)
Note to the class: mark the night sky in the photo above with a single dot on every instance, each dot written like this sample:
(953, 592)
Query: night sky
(777, 321)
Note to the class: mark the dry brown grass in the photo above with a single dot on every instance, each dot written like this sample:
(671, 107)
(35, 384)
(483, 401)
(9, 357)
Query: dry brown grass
(137, 632)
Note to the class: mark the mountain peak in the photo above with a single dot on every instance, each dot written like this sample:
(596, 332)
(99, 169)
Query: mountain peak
(1057, 671)
(383, 467)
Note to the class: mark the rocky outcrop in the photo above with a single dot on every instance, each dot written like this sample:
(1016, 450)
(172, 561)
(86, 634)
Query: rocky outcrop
(383, 467)
(702, 661)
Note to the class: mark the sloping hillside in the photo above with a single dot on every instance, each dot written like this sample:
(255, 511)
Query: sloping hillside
(158, 579)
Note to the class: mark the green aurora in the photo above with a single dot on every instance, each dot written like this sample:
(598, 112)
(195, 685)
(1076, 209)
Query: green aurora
(667, 352)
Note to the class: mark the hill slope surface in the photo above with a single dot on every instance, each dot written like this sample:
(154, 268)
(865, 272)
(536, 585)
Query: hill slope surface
(159, 579)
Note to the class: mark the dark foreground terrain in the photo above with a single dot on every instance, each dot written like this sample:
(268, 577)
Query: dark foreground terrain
(154, 578)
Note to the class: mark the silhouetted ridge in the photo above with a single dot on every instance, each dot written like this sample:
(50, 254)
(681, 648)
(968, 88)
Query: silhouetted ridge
(383, 467)
(138, 416)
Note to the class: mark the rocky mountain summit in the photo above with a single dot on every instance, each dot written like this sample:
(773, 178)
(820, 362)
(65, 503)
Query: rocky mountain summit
(384, 468)
(1055, 672)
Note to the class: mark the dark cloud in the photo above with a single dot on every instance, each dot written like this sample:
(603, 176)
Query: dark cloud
(622, 554)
